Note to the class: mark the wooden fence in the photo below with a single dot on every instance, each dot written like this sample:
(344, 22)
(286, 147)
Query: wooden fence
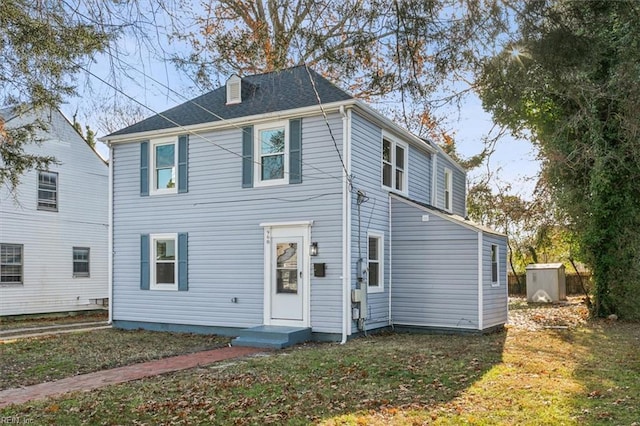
(572, 280)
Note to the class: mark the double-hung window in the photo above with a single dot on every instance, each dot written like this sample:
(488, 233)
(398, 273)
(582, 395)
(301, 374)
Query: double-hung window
(394, 165)
(448, 189)
(495, 277)
(272, 147)
(164, 160)
(47, 190)
(11, 266)
(80, 262)
(164, 262)
(164, 269)
(164, 165)
(375, 262)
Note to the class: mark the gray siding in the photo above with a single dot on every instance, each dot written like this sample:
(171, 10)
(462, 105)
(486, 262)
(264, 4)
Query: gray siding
(495, 298)
(48, 237)
(366, 167)
(420, 174)
(435, 270)
(226, 256)
(459, 186)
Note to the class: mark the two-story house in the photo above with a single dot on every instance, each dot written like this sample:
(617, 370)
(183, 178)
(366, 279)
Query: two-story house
(54, 227)
(280, 200)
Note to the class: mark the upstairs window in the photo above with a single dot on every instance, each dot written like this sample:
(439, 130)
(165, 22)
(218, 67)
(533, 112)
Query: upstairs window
(11, 264)
(394, 161)
(271, 147)
(448, 191)
(47, 191)
(164, 167)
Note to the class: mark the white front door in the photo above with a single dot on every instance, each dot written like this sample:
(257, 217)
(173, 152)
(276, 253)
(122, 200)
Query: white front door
(286, 279)
(286, 276)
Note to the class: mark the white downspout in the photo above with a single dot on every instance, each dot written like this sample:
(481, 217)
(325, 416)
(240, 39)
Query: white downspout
(390, 261)
(346, 224)
(480, 280)
(110, 237)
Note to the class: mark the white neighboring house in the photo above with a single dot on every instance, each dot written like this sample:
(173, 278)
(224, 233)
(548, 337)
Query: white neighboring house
(54, 229)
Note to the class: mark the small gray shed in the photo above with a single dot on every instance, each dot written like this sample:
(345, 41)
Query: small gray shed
(546, 282)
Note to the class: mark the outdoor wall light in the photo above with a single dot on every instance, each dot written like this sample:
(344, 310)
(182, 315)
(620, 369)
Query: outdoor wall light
(313, 249)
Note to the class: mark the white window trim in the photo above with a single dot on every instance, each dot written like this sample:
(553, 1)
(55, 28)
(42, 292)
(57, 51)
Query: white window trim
(73, 261)
(57, 192)
(152, 262)
(497, 282)
(21, 282)
(380, 237)
(448, 182)
(405, 177)
(153, 190)
(257, 164)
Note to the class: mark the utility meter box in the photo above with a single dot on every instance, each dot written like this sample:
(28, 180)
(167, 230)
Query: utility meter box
(546, 282)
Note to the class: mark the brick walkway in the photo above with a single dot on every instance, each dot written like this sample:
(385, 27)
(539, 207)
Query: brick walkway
(86, 382)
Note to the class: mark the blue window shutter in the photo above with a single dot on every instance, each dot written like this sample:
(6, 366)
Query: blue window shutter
(144, 168)
(183, 155)
(183, 255)
(247, 157)
(144, 262)
(295, 151)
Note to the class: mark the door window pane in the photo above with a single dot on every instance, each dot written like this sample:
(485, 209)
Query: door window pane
(287, 268)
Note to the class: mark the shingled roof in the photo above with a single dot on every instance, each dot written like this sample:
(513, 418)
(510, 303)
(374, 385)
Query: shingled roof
(263, 93)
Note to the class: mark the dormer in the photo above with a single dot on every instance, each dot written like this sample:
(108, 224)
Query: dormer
(234, 90)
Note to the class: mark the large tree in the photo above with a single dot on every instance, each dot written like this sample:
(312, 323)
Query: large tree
(395, 51)
(42, 46)
(47, 45)
(571, 83)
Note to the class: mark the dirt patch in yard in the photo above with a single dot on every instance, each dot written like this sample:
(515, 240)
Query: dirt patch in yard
(567, 314)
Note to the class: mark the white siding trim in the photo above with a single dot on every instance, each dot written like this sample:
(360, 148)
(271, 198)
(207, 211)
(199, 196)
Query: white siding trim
(302, 229)
(346, 226)
(257, 154)
(152, 262)
(110, 237)
(153, 190)
(390, 258)
(480, 281)
(296, 223)
(379, 235)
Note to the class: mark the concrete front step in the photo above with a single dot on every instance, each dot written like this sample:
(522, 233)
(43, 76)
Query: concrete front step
(272, 337)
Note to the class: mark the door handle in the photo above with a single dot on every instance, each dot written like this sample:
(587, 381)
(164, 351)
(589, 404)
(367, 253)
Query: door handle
(300, 274)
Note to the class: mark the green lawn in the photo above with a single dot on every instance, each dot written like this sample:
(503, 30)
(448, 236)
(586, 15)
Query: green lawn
(27, 362)
(587, 375)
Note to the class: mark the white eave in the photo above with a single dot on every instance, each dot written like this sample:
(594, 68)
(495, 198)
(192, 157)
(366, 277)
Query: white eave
(226, 123)
(367, 111)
